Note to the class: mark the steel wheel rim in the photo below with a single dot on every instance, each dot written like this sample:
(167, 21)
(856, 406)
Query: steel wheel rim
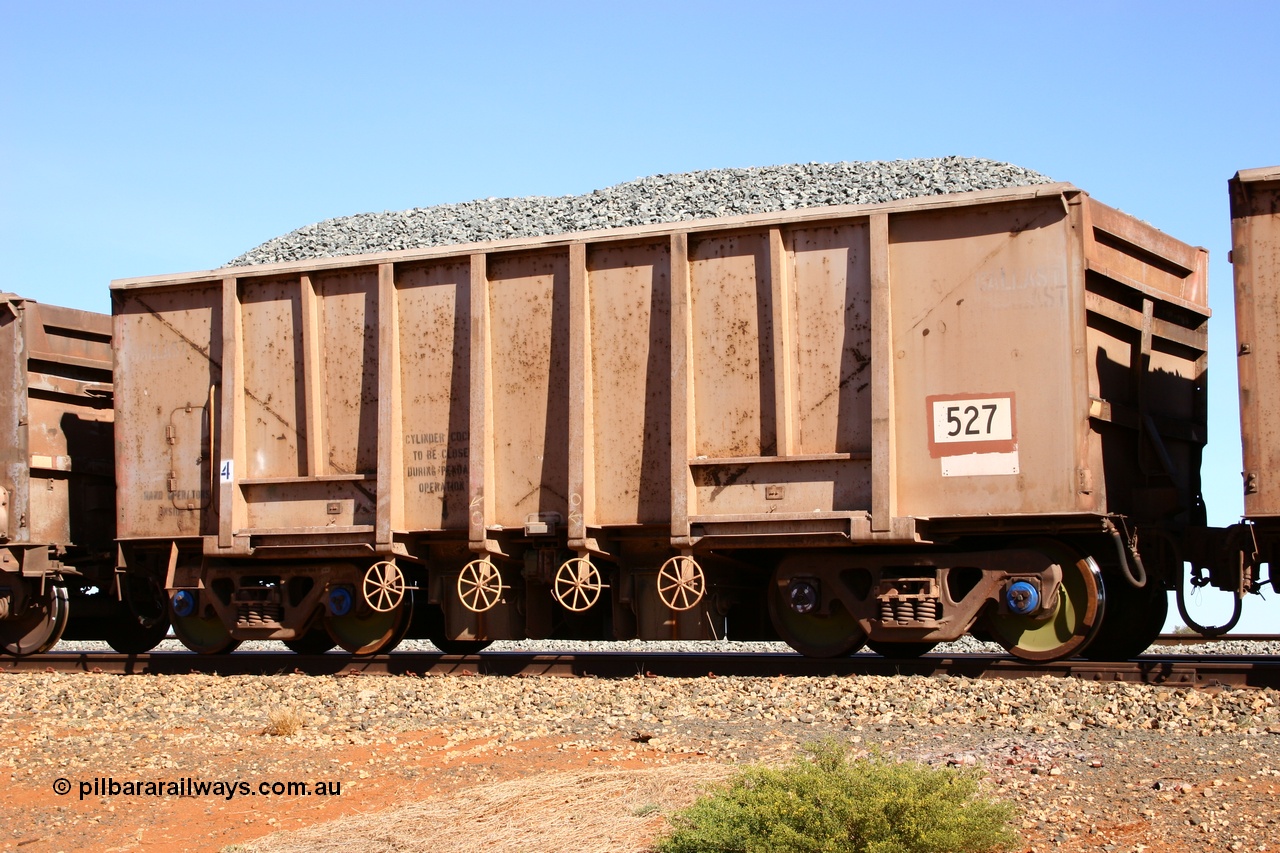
(145, 599)
(40, 627)
(1132, 622)
(371, 633)
(316, 641)
(62, 610)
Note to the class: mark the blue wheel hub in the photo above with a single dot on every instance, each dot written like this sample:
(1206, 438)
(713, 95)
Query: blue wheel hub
(340, 601)
(184, 603)
(1022, 598)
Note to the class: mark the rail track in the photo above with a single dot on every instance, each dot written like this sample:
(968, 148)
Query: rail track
(1204, 672)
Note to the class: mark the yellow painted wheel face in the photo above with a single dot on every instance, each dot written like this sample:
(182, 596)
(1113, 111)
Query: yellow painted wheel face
(823, 636)
(1075, 618)
(204, 635)
(370, 633)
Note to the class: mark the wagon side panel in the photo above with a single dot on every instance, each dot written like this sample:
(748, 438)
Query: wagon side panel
(831, 340)
(529, 359)
(630, 355)
(434, 316)
(168, 383)
(70, 427)
(15, 468)
(983, 362)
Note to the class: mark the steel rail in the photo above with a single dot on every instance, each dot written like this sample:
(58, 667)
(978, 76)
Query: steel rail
(1199, 639)
(1174, 670)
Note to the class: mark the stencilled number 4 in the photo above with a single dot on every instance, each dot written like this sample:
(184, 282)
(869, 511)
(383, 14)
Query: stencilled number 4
(967, 420)
(225, 473)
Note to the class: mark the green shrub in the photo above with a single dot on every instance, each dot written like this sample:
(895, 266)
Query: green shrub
(830, 803)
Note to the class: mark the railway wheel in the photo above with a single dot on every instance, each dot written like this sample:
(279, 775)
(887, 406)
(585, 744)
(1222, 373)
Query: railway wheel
(204, 635)
(429, 622)
(812, 634)
(1133, 620)
(315, 642)
(1075, 616)
(370, 632)
(39, 627)
(143, 620)
(900, 651)
(130, 635)
(62, 611)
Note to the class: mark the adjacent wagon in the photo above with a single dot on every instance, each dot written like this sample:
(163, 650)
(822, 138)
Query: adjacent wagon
(1237, 554)
(57, 488)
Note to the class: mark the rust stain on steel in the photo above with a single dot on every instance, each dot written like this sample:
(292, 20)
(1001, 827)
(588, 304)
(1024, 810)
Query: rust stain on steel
(863, 364)
(726, 478)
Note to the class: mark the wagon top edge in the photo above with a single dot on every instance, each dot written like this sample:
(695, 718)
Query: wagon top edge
(59, 316)
(788, 217)
(1265, 173)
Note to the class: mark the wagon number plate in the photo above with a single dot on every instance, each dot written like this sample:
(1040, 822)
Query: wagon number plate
(961, 425)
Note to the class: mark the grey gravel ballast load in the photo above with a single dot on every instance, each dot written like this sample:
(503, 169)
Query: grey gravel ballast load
(645, 201)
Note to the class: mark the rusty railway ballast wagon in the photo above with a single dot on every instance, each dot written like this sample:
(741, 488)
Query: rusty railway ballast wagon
(888, 424)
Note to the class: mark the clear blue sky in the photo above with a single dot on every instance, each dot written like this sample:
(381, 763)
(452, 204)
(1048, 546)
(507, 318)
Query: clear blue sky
(143, 138)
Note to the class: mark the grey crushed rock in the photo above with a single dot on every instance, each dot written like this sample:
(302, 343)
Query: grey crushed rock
(659, 198)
